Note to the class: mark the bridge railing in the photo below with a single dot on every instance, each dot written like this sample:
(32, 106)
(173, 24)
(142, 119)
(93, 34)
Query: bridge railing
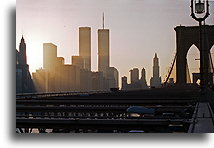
(49, 94)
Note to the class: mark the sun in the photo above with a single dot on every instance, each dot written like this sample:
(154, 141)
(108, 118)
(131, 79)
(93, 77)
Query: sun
(34, 53)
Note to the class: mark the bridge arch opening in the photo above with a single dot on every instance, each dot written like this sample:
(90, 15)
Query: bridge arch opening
(193, 64)
(212, 53)
(186, 36)
(212, 60)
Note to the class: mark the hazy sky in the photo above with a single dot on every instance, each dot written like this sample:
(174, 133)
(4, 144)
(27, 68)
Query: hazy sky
(138, 29)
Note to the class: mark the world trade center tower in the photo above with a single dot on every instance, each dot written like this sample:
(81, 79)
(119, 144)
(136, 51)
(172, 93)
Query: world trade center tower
(85, 46)
(103, 51)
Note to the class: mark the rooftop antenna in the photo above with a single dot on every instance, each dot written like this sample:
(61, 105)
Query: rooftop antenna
(22, 35)
(103, 20)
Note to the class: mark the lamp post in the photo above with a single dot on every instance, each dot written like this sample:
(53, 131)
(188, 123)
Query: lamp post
(199, 12)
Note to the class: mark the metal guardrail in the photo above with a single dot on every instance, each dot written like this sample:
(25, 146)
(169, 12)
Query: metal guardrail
(94, 108)
(49, 94)
(100, 102)
(95, 123)
(193, 120)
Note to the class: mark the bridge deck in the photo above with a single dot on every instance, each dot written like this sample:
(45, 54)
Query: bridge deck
(174, 110)
(203, 122)
(122, 124)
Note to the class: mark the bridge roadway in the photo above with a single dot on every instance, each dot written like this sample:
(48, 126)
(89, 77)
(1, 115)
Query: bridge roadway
(112, 124)
(165, 96)
(120, 109)
(107, 102)
(181, 92)
(203, 119)
(106, 110)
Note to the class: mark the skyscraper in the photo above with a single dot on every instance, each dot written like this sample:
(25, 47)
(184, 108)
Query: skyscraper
(124, 83)
(85, 46)
(135, 83)
(77, 61)
(113, 75)
(156, 66)
(60, 61)
(143, 74)
(134, 75)
(22, 52)
(24, 82)
(49, 56)
(155, 81)
(103, 51)
(143, 79)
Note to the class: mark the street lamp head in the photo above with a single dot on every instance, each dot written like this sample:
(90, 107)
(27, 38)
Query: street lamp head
(199, 7)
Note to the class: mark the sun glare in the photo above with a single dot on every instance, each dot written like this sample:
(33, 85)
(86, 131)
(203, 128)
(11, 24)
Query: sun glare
(34, 54)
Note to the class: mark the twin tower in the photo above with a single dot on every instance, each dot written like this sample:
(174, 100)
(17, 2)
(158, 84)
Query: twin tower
(85, 49)
(78, 75)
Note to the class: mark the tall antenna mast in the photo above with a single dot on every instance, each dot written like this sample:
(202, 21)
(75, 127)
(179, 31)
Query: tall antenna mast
(103, 20)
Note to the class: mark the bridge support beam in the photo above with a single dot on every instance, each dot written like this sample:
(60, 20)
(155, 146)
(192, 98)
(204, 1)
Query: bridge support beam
(185, 38)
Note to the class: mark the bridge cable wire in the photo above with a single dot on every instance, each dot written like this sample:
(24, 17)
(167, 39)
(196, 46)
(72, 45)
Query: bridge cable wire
(174, 60)
(169, 74)
(187, 73)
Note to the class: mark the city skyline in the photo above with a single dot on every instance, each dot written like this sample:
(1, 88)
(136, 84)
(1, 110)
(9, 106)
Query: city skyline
(79, 82)
(59, 77)
(127, 27)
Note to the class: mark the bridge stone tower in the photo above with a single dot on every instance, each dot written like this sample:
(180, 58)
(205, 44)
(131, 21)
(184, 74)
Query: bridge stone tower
(185, 38)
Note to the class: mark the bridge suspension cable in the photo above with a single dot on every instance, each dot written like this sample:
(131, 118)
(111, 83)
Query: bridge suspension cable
(171, 68)
(173, 63)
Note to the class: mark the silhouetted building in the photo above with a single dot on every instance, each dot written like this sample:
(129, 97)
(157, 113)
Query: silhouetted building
(113, 76)
(58, 77)
(40, 79)
(85, 80)
(63, 78)
(50, 62)
(17, 56)
(67, 78)
(85, 46)
(85, 74)
(60, 61)
(49, 56)
(134, 75)
(103, 51)
(98, 81)
(155, 81)
(24, 82)
(136, 83)
(143, 79)
(78, 61)
(22, 52)
(45, 81)
(143, 74)
(124, 83)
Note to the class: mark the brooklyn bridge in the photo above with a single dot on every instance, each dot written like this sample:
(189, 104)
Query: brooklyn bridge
(182, 107)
